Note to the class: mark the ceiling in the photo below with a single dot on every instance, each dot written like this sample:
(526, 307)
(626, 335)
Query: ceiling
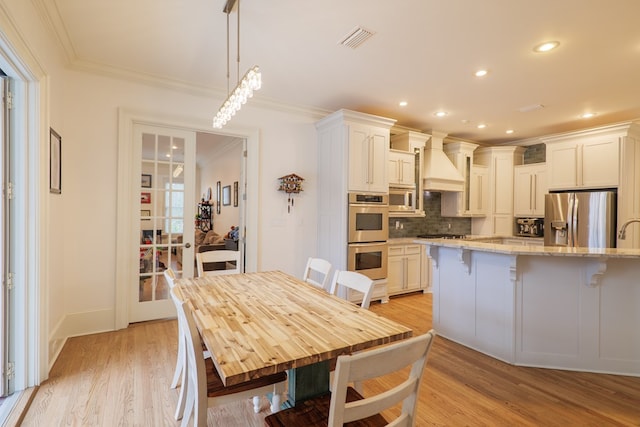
(423, 51)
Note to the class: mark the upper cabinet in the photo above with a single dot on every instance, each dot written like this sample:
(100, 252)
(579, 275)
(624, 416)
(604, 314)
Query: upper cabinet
(368, 158)
(402, 169)
(407, 152)
(479, 190)
(529, 188)
(590, 161)
(467, 202)
(500, 162)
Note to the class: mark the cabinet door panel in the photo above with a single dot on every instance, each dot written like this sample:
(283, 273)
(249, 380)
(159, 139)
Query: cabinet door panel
(395, 274)
(358, 158)
(522, 189)
(378, 161)
(563, 168)
(412, 274)
(540, 189)
(503, 225)
(503, 199)
(600, 163)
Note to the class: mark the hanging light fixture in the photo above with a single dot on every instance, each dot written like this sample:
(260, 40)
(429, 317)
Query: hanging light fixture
(252, 80)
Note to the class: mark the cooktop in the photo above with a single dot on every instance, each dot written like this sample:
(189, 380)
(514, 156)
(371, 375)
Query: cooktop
(441, 236)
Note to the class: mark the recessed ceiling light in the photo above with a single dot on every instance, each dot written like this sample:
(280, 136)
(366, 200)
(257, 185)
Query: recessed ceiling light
(587, 115)
(440, 113)
(482, 126)
(546, 46)
(403, 103)
(481, 73)
(509, 131)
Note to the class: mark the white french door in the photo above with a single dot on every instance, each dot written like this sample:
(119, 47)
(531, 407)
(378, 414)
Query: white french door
(5, 243)
(164, 213)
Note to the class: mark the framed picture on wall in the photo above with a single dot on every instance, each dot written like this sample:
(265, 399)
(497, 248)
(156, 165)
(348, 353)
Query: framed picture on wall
(218, 196)
(146, 180)
(226, 195)
(235, 194)
(145, 198)
(55, 162)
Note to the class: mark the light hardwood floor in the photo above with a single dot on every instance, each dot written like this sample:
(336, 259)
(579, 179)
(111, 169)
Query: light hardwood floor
(122, 379)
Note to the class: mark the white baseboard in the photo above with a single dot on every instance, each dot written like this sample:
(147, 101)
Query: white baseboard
(77, 324)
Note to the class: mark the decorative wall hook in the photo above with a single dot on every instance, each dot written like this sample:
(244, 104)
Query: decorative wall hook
(290, 184)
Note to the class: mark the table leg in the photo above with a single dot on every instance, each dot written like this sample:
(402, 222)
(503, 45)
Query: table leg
(307, 382)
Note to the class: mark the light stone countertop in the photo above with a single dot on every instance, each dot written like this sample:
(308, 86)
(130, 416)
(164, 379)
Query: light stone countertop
(478, 245)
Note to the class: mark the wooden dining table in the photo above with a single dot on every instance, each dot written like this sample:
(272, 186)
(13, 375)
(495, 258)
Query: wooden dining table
(256, 324)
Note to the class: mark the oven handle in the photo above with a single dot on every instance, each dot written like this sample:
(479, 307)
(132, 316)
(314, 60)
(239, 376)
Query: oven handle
(367, 244)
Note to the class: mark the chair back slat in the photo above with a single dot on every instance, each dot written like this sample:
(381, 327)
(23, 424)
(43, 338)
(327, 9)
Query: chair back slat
(223, 257)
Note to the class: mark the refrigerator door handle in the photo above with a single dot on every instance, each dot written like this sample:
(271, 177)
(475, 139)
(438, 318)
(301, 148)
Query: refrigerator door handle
(573, 226)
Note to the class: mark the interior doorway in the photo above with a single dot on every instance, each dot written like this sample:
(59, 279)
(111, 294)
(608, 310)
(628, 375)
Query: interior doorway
(227, 191)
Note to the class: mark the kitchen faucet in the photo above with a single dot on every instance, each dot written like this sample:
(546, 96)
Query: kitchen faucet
(623, 229)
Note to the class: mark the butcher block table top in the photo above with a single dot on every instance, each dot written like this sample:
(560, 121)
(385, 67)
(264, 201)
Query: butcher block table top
(256, 324)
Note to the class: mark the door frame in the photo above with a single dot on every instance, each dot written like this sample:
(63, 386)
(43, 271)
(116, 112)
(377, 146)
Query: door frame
(126, 167)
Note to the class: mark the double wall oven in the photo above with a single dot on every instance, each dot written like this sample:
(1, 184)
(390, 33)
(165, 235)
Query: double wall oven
(367, 249)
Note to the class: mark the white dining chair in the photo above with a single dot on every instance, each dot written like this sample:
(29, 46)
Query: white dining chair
(204, 387)
(170, 277)
(225, 257)
(344, 404)
(356, 281)
(316, 272)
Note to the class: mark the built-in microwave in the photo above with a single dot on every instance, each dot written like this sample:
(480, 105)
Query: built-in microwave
(402, 199)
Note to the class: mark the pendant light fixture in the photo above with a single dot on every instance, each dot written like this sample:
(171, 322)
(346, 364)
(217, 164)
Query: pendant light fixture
(252, 80)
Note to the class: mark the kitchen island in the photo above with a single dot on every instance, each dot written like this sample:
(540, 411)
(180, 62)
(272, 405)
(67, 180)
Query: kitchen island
(553, 307)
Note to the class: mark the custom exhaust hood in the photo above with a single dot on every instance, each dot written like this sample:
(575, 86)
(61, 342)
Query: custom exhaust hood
(439, 174)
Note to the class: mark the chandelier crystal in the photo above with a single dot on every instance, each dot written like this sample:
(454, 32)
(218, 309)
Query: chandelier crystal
(251, 81)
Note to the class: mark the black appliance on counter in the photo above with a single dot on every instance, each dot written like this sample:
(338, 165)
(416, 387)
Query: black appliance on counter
(529, 227)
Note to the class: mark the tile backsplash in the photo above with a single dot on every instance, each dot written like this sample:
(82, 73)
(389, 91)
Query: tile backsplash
(432, 223)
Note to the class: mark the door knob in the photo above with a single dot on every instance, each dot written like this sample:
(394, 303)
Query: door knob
(187, 245)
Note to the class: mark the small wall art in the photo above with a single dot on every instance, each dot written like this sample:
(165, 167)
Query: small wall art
(235, 194)
(145, 198)
(146, 180)
(55, 162)
(226, 195)
(218, 196)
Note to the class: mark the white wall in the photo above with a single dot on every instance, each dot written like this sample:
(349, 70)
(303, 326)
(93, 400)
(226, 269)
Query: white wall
(225, 166)
(84, 111)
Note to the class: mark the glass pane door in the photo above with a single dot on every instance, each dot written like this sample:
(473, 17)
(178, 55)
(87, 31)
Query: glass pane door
(165, 215)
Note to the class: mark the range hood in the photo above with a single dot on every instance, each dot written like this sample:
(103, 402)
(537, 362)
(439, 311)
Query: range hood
(439, 174)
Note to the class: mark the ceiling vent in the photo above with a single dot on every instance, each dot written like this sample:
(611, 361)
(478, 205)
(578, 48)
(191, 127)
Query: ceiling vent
(356, 37)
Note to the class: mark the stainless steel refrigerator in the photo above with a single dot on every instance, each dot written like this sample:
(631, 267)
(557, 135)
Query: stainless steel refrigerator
(580, 219)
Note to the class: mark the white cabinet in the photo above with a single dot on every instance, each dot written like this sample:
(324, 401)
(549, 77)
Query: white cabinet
(529, 188)
(585, 162)
(404, 268)
(337, 164)
(368, 158)
(479, 190)
(469, 201)
(402, 169)
(500, 162)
